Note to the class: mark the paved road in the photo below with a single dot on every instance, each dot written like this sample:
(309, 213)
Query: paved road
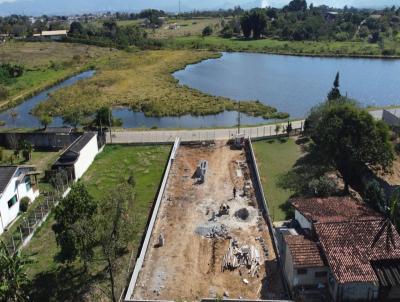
(158, 136)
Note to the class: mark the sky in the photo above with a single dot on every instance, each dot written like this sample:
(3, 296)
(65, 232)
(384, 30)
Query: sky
(36, 7)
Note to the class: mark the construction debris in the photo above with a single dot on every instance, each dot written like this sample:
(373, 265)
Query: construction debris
(216, 230)
(201, 170)
(161, 241)
(246, 256)
(223, 210)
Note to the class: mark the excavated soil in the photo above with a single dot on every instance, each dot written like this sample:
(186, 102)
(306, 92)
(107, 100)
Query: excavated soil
(188, 266)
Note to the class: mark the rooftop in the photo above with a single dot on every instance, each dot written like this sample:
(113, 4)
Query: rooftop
(333, 209)
(349, 248)
(54, 32)
(81, 142)
(6, 173)
(305, 252)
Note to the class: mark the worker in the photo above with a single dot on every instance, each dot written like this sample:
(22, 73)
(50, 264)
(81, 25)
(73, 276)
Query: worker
(234, 192)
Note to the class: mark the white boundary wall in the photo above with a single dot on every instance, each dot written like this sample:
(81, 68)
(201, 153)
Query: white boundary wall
(140, 260)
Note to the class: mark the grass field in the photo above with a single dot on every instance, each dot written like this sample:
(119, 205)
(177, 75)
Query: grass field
(143, 81)
(324, 48)
(274, 158)
(55, 282)
(45, 64)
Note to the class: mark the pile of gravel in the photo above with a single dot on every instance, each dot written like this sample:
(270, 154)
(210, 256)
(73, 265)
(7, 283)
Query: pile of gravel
(212, 230)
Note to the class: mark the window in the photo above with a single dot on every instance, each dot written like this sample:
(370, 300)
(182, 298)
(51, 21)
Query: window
(320, 274)
(12, 201)
(302, 271)
(28, 183)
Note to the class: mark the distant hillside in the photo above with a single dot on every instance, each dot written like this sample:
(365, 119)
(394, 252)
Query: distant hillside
(39, 7)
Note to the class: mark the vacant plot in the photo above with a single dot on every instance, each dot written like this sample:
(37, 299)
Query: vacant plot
(45, 64)
(143, 81)
(216, 242)
(274, 158)
(184, 28)
(55, 282)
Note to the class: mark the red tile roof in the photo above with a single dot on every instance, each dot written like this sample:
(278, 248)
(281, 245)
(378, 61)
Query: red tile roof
(349, 251)
(305, 252)
(333, 209)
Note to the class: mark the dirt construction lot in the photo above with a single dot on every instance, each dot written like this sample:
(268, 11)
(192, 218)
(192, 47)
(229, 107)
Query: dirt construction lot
(214, 245)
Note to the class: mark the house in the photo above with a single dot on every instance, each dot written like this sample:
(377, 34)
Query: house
(78, 157)
(331, 16)
(55, 34)
(331, 245)
(309, 211)
(360, 268)
(303, 265)
(16, 182)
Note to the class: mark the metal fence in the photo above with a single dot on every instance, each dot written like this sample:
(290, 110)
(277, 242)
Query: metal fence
(20, 234)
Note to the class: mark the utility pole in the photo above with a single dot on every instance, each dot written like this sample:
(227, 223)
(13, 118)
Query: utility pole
(238, 118)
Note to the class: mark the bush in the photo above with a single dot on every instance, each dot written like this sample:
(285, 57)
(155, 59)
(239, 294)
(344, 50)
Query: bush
(374, 195)
(24, 204)
(3, 92)
(207, 31)
(322, 187)
(388, 52)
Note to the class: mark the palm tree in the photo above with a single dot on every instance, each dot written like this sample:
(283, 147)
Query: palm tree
(390, 221)
(12, 275)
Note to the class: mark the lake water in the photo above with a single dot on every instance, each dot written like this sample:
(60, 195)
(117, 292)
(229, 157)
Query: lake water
(294, 84)
(291, 84)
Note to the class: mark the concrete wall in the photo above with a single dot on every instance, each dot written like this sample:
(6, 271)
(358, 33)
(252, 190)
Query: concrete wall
(86, 157)
(149, 231)
(304, 223)
(356, 291)
(8, 215)
(39, 140)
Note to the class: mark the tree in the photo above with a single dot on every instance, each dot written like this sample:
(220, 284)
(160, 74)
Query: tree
(246, 24)
(254, 22)
(334, 94)
(207, 31)
(289, 128)
(114, 228)
(74, 227)
(76, 28)
(296, 5)
(73, 118)
(45, 120)
(13, 278)
(103, 116)
(390, 222)
(352, 141)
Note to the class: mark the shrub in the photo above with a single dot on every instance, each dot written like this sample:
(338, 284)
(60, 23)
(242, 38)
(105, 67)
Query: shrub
(388, 52)
(24, 204)
(3, 92)
(207, 31)
(322, 187)
(374, 194)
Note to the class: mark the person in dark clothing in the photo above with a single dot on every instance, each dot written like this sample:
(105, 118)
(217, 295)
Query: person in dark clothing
(234, 192)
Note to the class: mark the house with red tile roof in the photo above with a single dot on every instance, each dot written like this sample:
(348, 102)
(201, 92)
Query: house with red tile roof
(335, 246)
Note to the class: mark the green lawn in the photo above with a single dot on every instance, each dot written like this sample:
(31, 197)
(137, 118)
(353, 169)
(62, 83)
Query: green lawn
(274, 158)
(330, 48)
(54, 282)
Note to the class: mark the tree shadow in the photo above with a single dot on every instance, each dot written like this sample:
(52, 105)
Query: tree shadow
(62, 284)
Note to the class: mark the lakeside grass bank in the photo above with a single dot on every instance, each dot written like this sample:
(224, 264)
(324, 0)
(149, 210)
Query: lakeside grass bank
(352, 49)
(143, 81)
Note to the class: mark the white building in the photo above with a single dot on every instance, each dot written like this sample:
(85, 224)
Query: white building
(54, 34)
(79, 156)
(15, 184)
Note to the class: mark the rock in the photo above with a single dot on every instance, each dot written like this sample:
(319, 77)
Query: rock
(245, 281)
(226, 294)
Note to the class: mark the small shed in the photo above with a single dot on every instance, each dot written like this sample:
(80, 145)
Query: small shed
(79, 156)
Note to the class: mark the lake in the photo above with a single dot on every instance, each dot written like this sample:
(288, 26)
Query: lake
(289, 83)
(294, 84)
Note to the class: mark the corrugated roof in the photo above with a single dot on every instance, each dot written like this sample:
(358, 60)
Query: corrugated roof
(305, 253)
(81, 142)
(349, 248)
(6, 173)
(333, 209)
